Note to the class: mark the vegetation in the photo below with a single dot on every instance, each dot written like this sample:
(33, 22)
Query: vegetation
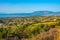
(29, 28)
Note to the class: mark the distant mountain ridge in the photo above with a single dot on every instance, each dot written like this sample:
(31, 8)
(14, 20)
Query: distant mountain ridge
(36, 13)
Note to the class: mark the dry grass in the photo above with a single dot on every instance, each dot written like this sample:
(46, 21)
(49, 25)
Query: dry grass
(52, 34)
(48, 23)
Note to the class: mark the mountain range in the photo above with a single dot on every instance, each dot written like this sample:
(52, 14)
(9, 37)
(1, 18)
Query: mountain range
(36, 13)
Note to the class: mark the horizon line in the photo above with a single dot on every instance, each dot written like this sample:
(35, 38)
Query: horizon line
(27, 12)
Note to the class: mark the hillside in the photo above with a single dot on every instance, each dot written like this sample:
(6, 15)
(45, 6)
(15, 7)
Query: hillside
(30, 28)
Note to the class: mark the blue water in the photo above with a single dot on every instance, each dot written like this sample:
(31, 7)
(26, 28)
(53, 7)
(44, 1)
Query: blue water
(16, 15)
(38, 13)
(19, 15)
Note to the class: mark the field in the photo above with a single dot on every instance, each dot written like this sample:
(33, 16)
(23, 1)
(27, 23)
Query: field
(30, 28)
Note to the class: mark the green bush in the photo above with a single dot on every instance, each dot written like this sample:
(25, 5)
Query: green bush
(0, 36)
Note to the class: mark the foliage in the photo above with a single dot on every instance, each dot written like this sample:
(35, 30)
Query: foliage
(26, 27)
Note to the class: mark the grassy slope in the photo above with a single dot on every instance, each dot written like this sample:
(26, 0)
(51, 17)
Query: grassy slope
(38, 36)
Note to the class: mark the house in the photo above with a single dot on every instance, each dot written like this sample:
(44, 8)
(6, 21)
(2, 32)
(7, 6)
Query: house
(1, 24)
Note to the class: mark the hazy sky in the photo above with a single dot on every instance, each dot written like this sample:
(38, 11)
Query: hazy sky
(19, 6)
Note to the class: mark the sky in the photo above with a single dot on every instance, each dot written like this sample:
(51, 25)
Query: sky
(26, 6)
